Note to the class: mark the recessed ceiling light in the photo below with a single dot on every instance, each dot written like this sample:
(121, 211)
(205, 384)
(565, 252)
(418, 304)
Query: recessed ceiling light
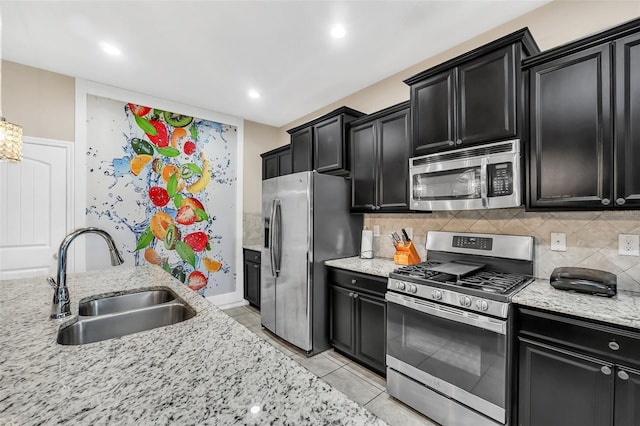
(254, 94)
(110, 49)
(338, 31)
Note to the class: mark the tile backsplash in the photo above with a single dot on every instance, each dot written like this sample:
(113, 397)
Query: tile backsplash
(592, 237)
(251, 229)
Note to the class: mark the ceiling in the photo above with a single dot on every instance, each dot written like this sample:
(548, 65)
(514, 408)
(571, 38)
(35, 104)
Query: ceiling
(209, 54)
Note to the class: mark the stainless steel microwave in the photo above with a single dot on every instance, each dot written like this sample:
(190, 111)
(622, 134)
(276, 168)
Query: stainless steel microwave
(474, 178)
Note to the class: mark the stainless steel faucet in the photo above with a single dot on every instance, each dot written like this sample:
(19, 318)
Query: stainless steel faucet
(61, 306)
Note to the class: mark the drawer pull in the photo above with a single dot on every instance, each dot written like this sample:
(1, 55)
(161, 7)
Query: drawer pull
(350, 294)
(605, 201)
(623, 375)
(354, 281)
(355, 295)
(614, 346)
(256, 266)
(606, 370)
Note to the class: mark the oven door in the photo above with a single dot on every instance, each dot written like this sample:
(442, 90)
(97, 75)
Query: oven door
(459, 354)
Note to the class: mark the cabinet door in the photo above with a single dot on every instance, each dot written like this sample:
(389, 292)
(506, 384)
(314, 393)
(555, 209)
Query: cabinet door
(341, 318)
(284, 162)
(628, 121)
(571, 141)
(487, 98)
(269, 166)
(252, 282)
(328, 142)
(562, 388)
(433, 109)
(370, 331)
(393, 162)
(627, 411)
(363, 167)
(302, 150)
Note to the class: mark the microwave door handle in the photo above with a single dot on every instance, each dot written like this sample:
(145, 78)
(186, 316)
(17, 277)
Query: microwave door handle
(483, 182)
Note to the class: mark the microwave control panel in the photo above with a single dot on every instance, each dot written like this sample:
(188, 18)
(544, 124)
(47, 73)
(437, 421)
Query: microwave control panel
(500, 179)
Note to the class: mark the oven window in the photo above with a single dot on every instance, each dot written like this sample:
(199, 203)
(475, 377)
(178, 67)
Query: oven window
(465, 356)
(458, 184)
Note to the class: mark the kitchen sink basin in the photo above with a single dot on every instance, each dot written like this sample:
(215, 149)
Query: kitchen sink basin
(102, 327)
(125, 302)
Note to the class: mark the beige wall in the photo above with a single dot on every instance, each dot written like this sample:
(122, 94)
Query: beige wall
(553, 24)
(258, 138)
(42, 102)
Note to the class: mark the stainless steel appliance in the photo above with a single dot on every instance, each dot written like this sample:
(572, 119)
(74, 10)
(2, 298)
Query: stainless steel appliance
(306, 221)
(449, 326)
(479, 177)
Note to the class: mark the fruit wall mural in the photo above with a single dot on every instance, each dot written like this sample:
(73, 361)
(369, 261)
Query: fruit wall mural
(164, 184)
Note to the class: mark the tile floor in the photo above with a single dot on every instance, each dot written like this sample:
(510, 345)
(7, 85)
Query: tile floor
(355, 381)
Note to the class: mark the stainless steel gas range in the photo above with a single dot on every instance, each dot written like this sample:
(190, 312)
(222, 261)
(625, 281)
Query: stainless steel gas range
(449, 327)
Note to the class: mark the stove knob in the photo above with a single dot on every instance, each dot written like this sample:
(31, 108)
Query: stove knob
(413, 288)
(400, 285)
(436, 294)
(482, 305)
(465, 301)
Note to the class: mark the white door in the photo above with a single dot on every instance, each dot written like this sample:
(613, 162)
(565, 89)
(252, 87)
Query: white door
(35, 213)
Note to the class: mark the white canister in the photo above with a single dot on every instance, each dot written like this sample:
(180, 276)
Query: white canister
(366, 244)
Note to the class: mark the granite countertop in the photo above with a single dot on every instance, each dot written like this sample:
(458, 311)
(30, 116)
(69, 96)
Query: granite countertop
(377, 266)
(622, 309)
(254, 247)
(206, 370)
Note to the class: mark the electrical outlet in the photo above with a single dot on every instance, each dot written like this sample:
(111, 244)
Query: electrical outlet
(629, 245)
(558, 241)
(376, 230)
(409, 232)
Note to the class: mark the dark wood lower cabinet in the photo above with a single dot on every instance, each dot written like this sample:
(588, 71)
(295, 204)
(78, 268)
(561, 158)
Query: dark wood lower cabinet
(562, 388)
(252, 277)
(575, 372)
(357, 318)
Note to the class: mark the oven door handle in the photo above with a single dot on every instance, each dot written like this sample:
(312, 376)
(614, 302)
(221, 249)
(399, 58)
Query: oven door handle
(446, 312)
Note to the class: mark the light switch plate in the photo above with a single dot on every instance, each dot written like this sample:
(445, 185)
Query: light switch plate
(376, 230)
(628, 245)
(558, 241)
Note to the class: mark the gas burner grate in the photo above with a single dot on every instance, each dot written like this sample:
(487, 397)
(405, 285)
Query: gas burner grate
(419, 270)
(494, 282)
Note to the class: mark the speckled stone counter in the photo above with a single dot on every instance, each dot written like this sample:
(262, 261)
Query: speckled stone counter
(376, 266)
(254, 247)
(622, 309)
(206, 370)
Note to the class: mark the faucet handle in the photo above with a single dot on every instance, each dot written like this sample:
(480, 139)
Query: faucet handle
(52, 282)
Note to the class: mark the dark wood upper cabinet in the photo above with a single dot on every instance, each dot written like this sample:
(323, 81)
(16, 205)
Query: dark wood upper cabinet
(380, 150)
(583, 134)
(302, 150)
(322, 144)
(472, 99)
(276, 162)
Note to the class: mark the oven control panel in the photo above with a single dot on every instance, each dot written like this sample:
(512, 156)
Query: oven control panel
(451, 298)
(478, 243)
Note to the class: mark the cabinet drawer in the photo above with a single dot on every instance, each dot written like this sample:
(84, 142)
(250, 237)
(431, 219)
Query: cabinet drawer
(252, 255)
(601, 340)
(368, 283)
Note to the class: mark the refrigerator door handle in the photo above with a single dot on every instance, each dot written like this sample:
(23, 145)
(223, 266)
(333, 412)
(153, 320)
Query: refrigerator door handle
(278, 236)
(271, 238)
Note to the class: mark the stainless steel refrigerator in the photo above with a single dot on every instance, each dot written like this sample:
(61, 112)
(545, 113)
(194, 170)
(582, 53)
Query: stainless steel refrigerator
(306, 221)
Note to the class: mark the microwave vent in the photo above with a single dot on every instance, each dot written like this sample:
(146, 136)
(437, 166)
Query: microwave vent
(480, 151)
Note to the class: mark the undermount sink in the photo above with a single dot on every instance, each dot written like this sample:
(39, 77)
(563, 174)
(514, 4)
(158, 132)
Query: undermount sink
(102, 327)
(125, 302)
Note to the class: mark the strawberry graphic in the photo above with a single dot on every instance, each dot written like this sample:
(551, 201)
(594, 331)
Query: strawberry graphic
(197, 241)
(186, 216)
(161, 140)
(158, 196)
(196, 280)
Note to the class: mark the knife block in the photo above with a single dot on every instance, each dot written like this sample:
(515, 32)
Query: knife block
(406, 254)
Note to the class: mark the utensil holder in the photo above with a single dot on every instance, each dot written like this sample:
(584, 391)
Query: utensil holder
(406, 254)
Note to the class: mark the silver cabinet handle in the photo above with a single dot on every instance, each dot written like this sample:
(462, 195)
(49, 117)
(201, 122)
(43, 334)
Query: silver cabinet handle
(350, 294)
(613, 345)
(354, 281)
(355, 295)
(451, 143)
(623, 375)
(459, 142)
(256, 266)
(605, 370)
(620, 201)
(605, 201)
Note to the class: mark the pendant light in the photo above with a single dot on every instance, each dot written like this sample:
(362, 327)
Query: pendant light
(10, 134)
